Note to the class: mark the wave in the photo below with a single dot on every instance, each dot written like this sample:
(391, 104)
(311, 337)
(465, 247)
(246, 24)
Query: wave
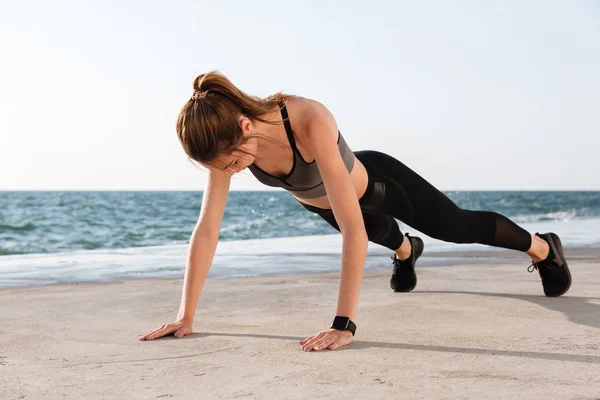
(558, 216)
(18, 228)
(4, 252)
(52, 222)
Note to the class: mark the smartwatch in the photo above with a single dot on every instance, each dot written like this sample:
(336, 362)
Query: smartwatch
(344, 324)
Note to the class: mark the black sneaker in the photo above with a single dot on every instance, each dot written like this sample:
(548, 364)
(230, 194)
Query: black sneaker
(554, 270)
(404, 278)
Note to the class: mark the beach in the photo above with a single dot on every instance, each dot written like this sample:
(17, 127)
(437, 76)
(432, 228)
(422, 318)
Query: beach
(468, 331)
(144, 142)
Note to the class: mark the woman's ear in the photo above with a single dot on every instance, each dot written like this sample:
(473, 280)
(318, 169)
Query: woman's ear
(245, 124)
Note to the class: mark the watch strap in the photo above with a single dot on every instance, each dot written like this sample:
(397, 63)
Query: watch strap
(343, 324)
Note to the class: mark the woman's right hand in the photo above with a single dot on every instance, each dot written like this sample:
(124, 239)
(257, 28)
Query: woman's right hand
(178, 328)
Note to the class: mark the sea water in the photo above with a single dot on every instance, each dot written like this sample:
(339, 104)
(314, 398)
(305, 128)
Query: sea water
(66, 237)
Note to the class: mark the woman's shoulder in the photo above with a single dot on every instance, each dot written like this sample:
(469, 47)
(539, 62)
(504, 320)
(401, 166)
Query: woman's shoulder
(311, 121)
(302, 111)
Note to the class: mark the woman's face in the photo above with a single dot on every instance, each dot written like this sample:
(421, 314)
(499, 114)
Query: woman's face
(235, 162)
(240, 158)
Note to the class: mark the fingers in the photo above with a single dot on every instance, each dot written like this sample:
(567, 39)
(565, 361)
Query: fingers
(145, 335)
(312, 340)
(179, 328)
(319, 342)
(308, 339)
(160, 332)
(182, 332)
(324, 343)
(303, 342)
(331, 340)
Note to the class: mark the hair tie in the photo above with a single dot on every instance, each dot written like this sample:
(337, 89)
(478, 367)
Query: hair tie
(198, 94)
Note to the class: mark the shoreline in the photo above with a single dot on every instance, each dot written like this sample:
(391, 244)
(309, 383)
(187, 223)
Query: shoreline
(377, 262)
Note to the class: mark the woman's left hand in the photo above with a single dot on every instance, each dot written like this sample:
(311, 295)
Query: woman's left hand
(331, 339)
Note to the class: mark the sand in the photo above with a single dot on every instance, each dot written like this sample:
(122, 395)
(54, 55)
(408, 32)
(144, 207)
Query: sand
(468, 331)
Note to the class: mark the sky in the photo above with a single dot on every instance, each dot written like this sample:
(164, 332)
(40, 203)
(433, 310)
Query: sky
(472, 95)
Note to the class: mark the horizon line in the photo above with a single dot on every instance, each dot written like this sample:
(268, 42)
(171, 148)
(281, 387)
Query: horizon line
(282, 191)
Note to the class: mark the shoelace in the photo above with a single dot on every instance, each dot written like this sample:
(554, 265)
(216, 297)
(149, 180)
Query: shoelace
(530, 269)
(398, 262)
(536, 266)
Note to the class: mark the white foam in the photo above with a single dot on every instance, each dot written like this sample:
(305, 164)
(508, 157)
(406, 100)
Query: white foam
(235, 258)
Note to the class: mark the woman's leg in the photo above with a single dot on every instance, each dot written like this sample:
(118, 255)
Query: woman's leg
(384, 230)
(381, 229)
(405, 195)
(414, 201)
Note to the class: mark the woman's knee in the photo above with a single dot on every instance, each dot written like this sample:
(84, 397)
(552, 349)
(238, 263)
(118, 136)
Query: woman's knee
(383, 230)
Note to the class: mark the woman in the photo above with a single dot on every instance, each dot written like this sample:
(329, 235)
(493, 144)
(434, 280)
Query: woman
(294, 143)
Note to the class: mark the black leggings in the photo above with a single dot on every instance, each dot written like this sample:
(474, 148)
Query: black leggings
(395, 191)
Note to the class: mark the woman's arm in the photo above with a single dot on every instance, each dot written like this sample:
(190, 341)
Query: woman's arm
(203, 244)
(320, 139)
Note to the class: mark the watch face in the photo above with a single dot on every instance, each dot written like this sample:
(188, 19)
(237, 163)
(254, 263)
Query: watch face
(340, 323)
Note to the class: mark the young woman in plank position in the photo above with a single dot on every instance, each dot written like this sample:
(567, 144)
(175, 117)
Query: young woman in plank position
(294, 143)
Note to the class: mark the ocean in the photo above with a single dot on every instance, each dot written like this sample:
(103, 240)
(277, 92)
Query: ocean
(69, 237)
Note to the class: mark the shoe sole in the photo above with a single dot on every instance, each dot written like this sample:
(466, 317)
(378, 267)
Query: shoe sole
(559, 249)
